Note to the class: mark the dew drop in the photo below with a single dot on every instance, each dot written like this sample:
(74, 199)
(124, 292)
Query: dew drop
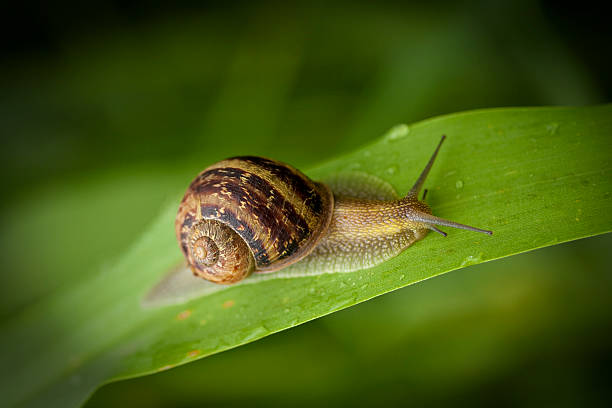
(459, 184)
(396, 133)
(391, 170)
(472, 259)
(552, 128)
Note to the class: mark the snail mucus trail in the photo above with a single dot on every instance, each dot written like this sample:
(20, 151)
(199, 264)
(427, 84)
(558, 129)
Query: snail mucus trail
(251, 214)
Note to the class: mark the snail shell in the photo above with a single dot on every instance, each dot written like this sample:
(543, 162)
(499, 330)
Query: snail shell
(249, 213)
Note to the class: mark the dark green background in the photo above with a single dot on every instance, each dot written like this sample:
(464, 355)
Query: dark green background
(108, 109)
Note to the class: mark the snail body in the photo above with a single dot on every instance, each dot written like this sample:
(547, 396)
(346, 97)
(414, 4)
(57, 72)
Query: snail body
(251, 214)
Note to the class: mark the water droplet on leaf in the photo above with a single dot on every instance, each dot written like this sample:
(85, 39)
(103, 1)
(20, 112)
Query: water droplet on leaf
(391, 170)
(396, 133)
(472, 259)
(552, 128)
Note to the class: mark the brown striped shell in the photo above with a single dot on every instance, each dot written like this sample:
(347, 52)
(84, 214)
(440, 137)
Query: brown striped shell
(249, 213)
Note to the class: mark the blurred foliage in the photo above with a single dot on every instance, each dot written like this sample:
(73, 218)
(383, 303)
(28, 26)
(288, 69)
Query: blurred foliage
(108, 122)
(181, 89)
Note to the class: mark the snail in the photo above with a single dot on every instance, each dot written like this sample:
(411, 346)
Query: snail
(252, 214)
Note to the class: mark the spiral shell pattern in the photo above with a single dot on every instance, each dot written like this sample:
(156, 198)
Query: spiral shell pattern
(277, 212)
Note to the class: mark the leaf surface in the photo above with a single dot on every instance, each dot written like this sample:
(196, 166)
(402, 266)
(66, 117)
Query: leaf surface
(535, 176)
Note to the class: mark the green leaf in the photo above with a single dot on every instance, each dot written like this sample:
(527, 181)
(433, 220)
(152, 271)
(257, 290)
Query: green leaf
(535, 176)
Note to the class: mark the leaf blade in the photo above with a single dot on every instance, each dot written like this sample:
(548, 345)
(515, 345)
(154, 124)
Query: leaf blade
(536, 176)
